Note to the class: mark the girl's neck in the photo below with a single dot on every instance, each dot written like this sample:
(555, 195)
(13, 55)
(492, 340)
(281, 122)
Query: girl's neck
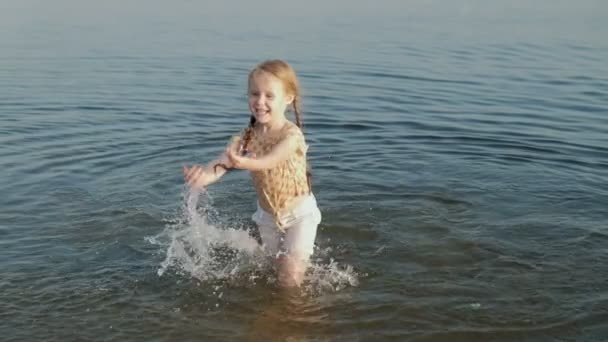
(273, 126)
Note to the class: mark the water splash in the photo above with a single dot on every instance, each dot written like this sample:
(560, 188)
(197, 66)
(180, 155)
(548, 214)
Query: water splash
(330, 277)
(198, 248)
(210, 253)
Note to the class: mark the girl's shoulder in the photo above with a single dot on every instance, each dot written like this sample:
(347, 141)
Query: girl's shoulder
(292, 129)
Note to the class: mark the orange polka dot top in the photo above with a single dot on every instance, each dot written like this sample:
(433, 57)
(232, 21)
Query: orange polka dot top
(276, 186)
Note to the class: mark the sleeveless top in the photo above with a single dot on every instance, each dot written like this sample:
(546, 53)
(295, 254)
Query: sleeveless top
(276, 186)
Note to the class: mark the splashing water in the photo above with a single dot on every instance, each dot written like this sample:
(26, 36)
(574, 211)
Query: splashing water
(197, 248)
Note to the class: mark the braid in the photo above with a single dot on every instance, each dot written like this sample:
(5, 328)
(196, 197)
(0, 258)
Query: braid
(248, 132)
(296, 111)
(246, 140)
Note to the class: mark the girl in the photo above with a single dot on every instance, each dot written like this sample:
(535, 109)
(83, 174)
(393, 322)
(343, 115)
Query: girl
(273, 149)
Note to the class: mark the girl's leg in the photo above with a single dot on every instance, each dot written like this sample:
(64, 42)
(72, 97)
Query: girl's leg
(298, 247)
(271, 239)
(269, 233)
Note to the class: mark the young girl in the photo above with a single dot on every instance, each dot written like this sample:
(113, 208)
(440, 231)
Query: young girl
(273, 149)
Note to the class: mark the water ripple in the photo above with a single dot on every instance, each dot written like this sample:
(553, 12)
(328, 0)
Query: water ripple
(462, 174)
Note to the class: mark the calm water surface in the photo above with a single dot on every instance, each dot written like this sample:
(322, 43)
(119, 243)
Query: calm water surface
(459, 152)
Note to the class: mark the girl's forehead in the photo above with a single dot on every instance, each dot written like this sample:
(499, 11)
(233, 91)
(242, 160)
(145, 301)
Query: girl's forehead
(264, 79)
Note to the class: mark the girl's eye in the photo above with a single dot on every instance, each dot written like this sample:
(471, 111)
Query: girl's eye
(270, 96)
(254, 93)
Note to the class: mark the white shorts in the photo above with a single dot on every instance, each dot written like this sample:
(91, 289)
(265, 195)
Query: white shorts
(299, 229)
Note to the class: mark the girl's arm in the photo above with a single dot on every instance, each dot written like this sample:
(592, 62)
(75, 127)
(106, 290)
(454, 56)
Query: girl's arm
(279, 153)
(199, 176)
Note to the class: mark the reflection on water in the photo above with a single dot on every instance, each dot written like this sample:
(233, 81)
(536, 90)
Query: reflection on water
(289, 315)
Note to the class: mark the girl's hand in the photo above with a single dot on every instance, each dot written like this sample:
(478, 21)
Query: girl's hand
(236, 158)
(198, 177)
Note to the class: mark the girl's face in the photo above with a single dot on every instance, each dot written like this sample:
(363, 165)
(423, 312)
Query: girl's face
(267, 98)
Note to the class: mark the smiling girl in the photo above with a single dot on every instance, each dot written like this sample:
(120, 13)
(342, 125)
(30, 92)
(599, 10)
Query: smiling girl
(274, 150)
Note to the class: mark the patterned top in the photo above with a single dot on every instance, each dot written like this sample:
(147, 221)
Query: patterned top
(276, 186)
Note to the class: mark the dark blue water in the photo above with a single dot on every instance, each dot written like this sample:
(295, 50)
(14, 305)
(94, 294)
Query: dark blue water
(459, 154)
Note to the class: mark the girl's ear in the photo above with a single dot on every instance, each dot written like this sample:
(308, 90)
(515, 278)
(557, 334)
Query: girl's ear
(289, 99)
